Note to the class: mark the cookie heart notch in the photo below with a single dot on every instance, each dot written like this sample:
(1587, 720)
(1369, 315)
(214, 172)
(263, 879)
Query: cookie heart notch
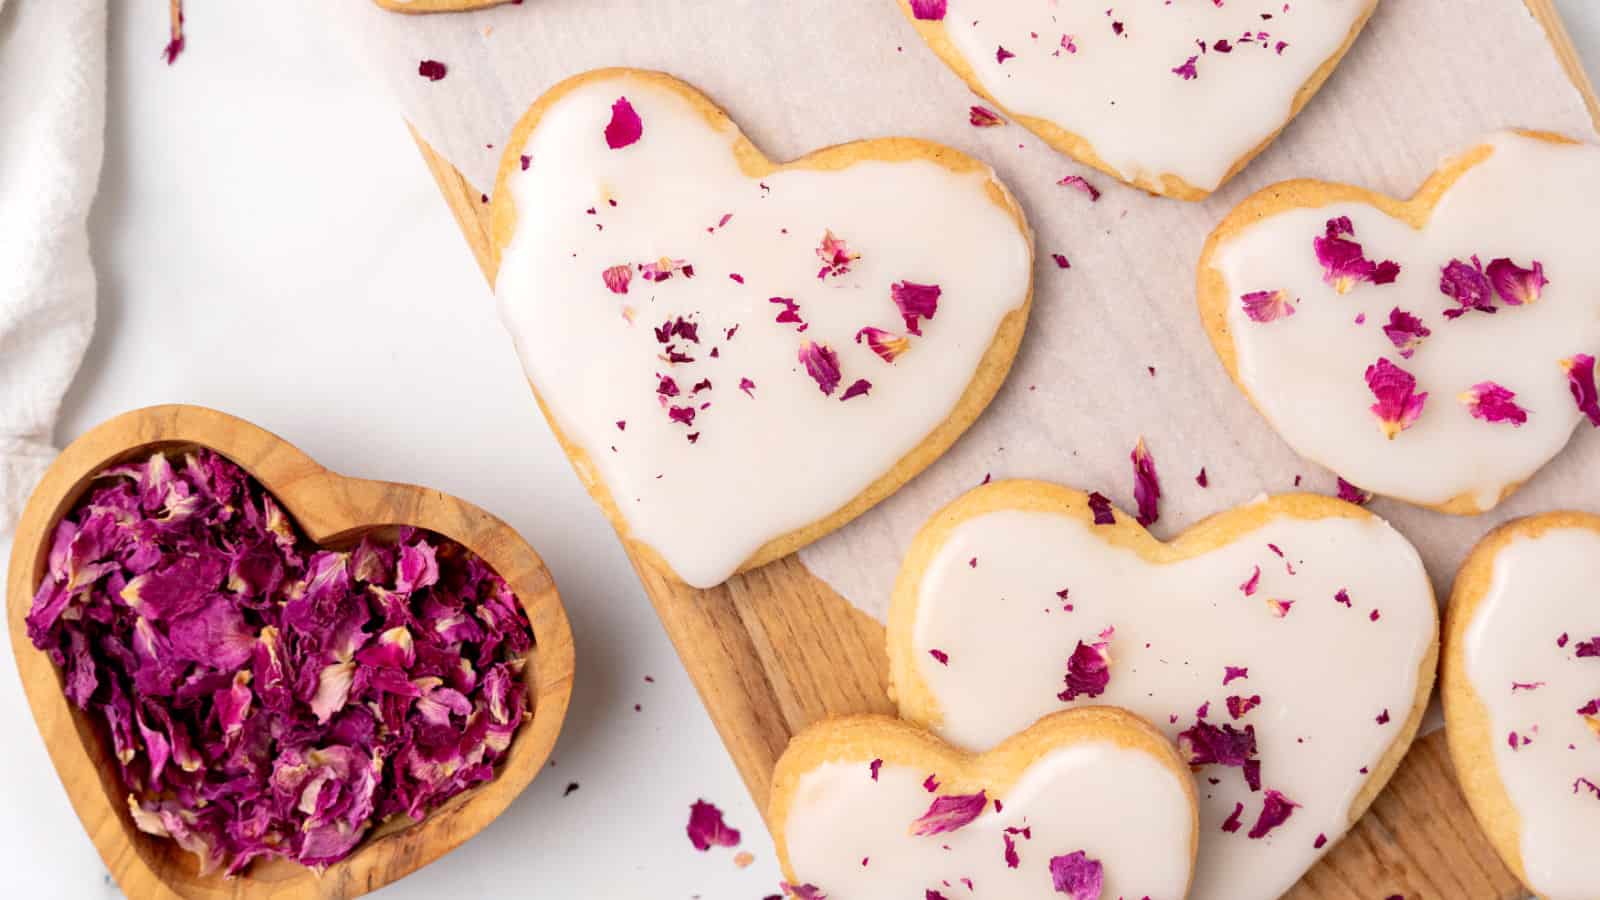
(1520, 681)
(331, 510)
(739, 356)
(1087, 803)
(1111, 88)
(1426, 350)
(1288, 645)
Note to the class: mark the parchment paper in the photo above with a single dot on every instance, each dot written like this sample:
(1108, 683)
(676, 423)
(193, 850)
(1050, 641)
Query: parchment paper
(1115, 349)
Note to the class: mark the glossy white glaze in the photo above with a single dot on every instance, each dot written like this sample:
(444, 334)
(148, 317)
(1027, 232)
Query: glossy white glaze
(782, 455)
(1543, 588)
(1530, 200)
(1119, 92)
(1117, 805)
(1325, 672)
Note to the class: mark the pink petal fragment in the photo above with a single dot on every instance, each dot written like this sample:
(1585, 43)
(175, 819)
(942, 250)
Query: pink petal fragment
(835, 255)
(790, 314)
(984, 117)
(857, 388)
(1344, 262)
(1088, 671)
(822, 364)
(1250, 584)
(1077, 876)
(431, 69)
(1580, 378)
(1515, 285)
(1398, 404)
(1078, 182)
(1100, 506)
(1405, 331)
(1349, 493)
(1231, 824)
(1468, 286)
(1187, 71)
(1229, 673)
(949, 813)
(886, 344)
(1275, 810)
(625, 127)
(1267, 306)
(617, 278)
(1146, 486)
(1001, 54)
(1491, 402)
(915, 302)
(706, 828)
(928, 10)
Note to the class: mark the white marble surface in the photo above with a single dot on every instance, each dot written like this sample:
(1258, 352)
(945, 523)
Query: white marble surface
(269, 243)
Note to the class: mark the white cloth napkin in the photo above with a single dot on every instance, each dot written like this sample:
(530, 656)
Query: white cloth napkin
(52, 130)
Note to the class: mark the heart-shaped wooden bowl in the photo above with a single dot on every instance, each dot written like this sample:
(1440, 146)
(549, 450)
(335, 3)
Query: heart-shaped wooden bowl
(333, 511)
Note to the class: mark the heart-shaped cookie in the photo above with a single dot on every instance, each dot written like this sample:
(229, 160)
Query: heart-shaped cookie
(1174, 98)
(1289, 645)
(1426, 350)
(331, 510)
(737, 355)
(1087, 803)
(1521, 688)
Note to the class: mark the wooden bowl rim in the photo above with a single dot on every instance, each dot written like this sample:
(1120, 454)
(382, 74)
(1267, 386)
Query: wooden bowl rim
(144, 866)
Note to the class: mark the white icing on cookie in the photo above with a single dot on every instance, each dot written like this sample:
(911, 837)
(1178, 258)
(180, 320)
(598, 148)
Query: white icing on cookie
(1529, 201)
(1543, 588)
(1118, 90)
(1326, 673)
(851, 837)
(782, 455)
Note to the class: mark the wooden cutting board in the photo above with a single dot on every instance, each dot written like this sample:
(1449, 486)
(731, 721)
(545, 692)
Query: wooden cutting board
(773, 650)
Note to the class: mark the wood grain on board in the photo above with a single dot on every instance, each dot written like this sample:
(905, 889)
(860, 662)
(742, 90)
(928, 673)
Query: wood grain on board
(776, 649)
(331, 510)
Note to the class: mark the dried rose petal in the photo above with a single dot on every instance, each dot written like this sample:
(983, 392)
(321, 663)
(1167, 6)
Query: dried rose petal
(1078, 182)
(1468, 286)
(822, 364)
(1187, 71)
(706, 828)
(875, 766)
(1001, 54)
(1229, 673)
(1249, 587)
(1580, 378)
(1405, 331)
(886, 344)
(175, 40)
(857, 388)
(1515, 285)
(835, 255)
(1231, 824)
(663, 268)
(984, 117)
(1100, 506)
(1088, 671)
(625, 127)
(948, 813)
(1349, 493)
(1589, 649)
(1279, 607)
(1205, 744)
(1077, 876)
(1238, 706)
(1491, 402)
(617, 278)
(790, 314)
(1398, 404)
(1275, 810)
(928, 10)
(1146, 486)
(1344, 262)
(1267, 306)
(431, 69)
(915, 302)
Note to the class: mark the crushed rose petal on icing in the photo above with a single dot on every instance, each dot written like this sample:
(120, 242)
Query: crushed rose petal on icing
(1342, 596)
(929, 10)
(625, 127)
(1249, 587)
(949, 813)
(617, 278)
(1491, 402)
(984, 117)
(1201, 478)
(790, 314)
(915, 302)
(1146, 485)
(1001, 54)
(1238, 706)
(1231, 823)
(1588, 649)
(706, 828)
(1320, 842)
(857, 388)
(1061, 261)
(1580, 378)
(747, 386)
(1205, 744)
(663, 269)
(835, 255)
(1088, 671)
(875, 766)
(886, 344)
(1515, 285)
(1275, 810)
(1077, 876)
(1468, 286)
(1349, 493)
(1187, 71)
(1229, 673)
(940, 656)
(431, 69)
(1279, 607)
(1100, 505)
(802, 891)
(1345, 263)
(1267, 306)
(1405, 331)
(930, 784)
(822, 364)
(1398, 404)
(1078, 182)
